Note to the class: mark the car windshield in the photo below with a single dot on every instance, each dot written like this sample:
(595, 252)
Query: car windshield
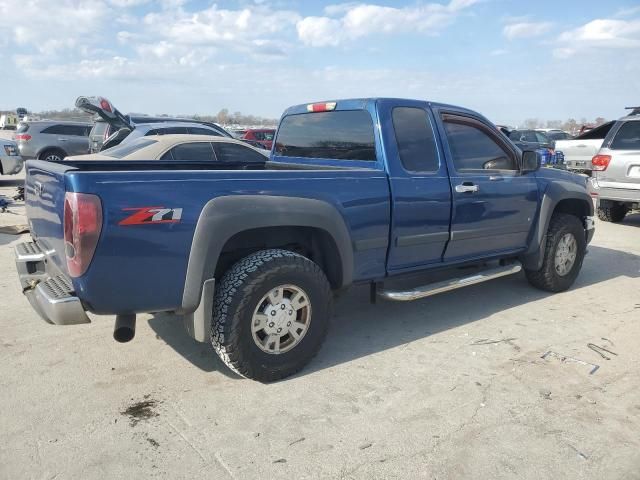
(122, 151)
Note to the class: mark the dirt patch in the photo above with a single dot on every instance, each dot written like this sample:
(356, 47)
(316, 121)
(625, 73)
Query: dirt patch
(140, 411)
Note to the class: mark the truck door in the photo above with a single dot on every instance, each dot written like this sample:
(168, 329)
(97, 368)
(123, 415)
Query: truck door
(494, 205)
(420, 191)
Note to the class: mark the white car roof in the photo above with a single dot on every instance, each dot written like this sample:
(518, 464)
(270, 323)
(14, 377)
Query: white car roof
(161, 144)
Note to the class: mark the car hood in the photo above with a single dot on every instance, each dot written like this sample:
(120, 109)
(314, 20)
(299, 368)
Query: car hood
(554, 174)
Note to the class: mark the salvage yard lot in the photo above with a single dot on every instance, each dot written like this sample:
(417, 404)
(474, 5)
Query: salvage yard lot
(452, 386)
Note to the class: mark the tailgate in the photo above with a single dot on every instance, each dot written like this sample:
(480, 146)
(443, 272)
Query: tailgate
(44, 200)
(579, 150)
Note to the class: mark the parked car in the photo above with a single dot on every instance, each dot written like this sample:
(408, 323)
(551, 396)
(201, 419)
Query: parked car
(112, 127)
(261, 136)
(537, 141)
(359, 191)
(190, 149)
(555, 134)
(616, 171)
(10, 160)
(52, 140)
(8, 121)
(576, 154)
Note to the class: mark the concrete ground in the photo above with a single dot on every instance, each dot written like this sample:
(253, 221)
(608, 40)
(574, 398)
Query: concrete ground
(450, 387)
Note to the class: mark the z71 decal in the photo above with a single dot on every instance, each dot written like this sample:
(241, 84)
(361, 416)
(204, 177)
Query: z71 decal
(152, 215)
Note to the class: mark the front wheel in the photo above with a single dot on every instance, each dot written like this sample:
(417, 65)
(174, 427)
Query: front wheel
(565, 249)
(271, 314)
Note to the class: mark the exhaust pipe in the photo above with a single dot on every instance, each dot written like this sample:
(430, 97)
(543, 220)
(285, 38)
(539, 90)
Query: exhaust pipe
(125, 328)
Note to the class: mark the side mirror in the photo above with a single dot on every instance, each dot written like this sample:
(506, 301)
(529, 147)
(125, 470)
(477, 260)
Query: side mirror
(530, 161)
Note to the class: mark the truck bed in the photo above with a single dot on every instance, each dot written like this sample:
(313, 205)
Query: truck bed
(128, 259)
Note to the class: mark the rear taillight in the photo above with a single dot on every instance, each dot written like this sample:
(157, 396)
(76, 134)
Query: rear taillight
(25, 137)
(82, 226)
(599, 163)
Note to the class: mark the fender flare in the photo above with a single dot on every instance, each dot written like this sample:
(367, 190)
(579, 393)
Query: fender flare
(555, 193)
(224, 217)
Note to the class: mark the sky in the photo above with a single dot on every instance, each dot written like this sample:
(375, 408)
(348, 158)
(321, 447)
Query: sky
(510, 60)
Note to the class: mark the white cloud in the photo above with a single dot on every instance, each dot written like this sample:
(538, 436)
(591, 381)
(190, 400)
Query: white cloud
(215, 26)
(599, 33)
(526, 29)
(33, 24)
(359, 20)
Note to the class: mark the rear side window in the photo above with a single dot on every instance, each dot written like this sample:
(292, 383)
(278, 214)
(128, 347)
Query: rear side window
(54, 130)
(474, 149)
(627, 137)
(168, 131)
(416, 142)
(203, 131)
(74, 130)
(194, 151)
(341, 135)
(121, 151)
(234, 153)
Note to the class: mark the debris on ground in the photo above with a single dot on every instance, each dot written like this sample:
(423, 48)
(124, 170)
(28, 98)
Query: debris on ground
(598, 349)
(140, 411)
(567, 359)
(487, 341)
(19, 194)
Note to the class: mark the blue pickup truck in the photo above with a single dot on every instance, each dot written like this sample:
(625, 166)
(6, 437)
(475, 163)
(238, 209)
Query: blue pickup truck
(250, 256)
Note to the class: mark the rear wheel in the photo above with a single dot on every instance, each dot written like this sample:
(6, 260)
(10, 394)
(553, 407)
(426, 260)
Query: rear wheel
(565, 248)
(271, 314)
(614, 212)
(52, 155)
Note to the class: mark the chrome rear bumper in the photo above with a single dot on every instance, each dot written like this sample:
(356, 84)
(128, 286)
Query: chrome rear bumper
(49, 292)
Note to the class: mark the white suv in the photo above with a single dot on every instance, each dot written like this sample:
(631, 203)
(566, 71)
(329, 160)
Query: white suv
(616, 169)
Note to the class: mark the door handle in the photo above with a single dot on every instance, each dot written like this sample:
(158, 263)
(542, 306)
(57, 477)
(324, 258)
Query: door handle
(467, 187)
(62, 139)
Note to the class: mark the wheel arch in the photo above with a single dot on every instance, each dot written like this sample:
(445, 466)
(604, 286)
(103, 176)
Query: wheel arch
(246, 223)
(50, 148)
(559, 197)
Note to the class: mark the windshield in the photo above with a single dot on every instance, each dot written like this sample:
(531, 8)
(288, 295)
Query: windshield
(122, 151)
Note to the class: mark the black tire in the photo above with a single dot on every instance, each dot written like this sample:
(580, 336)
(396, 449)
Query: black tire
(51, 153)
(547, 278)
(237, 296)
(615, 212)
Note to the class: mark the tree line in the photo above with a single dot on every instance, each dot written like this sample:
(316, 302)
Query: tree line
(571, 125)
(223, 117)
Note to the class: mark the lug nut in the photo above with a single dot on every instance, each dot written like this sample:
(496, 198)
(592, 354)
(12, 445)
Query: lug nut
(288, 324)
(279, 330)
(282, 307)
(273, 312)
(271, 324)
(290, 312)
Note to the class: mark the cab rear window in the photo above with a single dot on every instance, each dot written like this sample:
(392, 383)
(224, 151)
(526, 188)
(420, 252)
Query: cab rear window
(339, 135)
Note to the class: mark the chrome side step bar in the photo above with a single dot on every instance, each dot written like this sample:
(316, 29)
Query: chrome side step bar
(448, 285)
